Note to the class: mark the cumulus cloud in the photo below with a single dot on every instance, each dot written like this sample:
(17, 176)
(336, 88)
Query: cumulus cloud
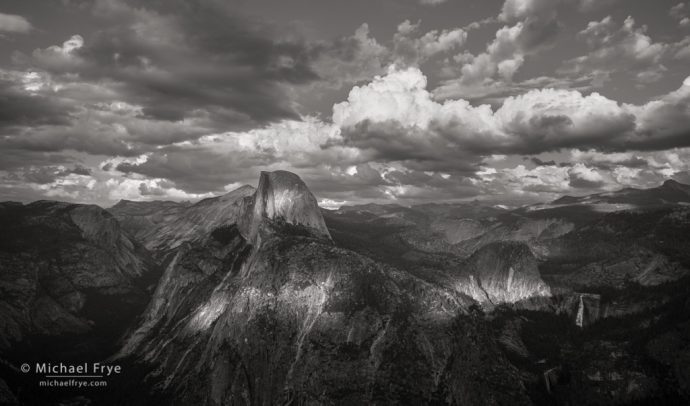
(681, 13)
(614, 48)
(61, 57)
(515, 10)
(531, 26)
(550, 119)
(663, 123)
(396, 118)
(412, 49)
(203, 164)
(502, 59)
(582, 177)
(14, 24)
(349, 60)
(352, 59)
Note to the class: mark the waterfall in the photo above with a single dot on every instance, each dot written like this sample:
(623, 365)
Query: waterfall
(580, 313)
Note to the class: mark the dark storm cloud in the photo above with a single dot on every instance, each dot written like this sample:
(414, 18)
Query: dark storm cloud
(79, 137)
(48, 174)
(390, 141)
(539, 162)
(11, 159)
(632, 162)
(182, 57)
(18, 108)
(78, 170)
(43, 175)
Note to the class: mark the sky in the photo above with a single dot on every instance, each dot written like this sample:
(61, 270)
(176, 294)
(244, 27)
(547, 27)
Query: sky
(397, 101)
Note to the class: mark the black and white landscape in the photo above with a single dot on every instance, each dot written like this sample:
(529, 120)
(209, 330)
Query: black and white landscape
(321, 202)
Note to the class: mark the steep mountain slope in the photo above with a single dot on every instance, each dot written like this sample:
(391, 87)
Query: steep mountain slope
(139, 218)
(162, 228)
(67, 270)
(269, 311)
(647, 247)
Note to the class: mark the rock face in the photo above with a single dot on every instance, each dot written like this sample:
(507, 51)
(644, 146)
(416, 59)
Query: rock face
(503, 272)
(282, 196)
(163, 227)
(139, 218)
(269, 311)
(67, 269)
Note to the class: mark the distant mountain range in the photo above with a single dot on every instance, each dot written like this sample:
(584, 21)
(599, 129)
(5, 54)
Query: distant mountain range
(261, 297)
(670, 192)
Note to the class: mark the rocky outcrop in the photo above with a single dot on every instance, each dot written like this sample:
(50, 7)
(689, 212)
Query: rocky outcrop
(502, 272)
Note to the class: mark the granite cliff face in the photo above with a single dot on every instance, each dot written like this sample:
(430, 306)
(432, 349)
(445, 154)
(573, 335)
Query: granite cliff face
(503, 272)
(138, 218)
(269, 311)
(282, 196)
(67, 270)
(164, 227)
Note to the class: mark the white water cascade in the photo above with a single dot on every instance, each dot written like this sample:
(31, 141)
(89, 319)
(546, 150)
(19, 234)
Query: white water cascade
(579, 319)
